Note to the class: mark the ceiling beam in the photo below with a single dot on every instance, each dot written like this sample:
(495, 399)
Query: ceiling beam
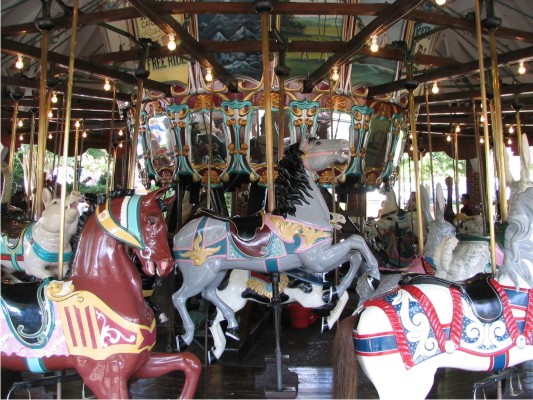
(168, 24)
(451, 71)
(309, 46)
(15, 48)
(194, 8)
(524, 88)
(394, 12)
(76, 90)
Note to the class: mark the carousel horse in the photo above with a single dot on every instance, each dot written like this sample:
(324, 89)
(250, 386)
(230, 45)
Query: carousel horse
(97, 321)
(34, 247)
(483, 324)
(446, 255)
(209, 245)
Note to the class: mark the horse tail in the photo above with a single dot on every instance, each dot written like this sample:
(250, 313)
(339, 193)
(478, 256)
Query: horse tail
(344, 360)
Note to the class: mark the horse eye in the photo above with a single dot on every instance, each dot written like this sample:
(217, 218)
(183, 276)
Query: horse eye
(152, 221)
(318, 143)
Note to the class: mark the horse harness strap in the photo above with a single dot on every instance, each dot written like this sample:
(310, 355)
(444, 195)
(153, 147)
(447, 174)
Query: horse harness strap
(478, 292)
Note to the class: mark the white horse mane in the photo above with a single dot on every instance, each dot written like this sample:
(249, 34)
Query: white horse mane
(518, 243)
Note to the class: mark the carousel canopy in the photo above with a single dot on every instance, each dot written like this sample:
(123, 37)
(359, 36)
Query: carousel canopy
(371, 44)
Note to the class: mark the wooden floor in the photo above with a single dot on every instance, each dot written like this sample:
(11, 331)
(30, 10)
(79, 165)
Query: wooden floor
(309, 355)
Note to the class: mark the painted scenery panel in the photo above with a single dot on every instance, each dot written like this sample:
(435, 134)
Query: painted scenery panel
(234, 27)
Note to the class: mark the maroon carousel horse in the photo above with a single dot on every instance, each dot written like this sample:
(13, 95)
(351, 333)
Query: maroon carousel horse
(97, 321)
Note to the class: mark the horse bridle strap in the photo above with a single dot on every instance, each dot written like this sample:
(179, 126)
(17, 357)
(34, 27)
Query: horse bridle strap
(127, 228)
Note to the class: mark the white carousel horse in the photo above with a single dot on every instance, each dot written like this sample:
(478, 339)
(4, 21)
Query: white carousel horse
(309, 290)
(426, 324)
(208, 246)
(36, 249)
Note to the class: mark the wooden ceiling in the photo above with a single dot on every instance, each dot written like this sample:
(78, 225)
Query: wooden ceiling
(452, 106)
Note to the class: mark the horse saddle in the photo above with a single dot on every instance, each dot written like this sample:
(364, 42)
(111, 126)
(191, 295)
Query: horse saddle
(478, 292)
(23, 304)
(249, 233)
(12, 227)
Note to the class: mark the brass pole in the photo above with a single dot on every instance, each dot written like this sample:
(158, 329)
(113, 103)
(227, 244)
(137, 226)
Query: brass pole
(66, 135)
(76, 144)
(411, 86)
(488, 182)
(456, 164)
(426, 92)
(12, 152)
(481, 174)
(210, 146)
(31, 197)
(281, 117)
(135, 138)
(111, 137)
(517, 107)
(497, 129)
(41, 136)
(268, 113)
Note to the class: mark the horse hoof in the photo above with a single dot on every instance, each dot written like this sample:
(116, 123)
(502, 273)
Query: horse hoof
(330, 295)
(233, 333)
(324, 327)
(180, 343)
(211, 358)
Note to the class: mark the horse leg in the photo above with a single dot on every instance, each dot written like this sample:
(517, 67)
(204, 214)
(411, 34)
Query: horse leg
(159, 364)
(210, 293)
(194, 281)
(219, 340)
(332, 318)
(335, 292)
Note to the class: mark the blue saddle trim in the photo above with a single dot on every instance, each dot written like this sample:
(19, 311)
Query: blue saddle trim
(35, 365)
(39, 338)
(43, 254)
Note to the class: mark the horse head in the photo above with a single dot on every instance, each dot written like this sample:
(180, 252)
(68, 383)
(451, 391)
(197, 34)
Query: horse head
(154, 253)
(321, 153)
(52, 213)
(439, 228)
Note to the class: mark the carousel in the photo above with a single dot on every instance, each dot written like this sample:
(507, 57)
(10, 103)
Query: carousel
(266, 199)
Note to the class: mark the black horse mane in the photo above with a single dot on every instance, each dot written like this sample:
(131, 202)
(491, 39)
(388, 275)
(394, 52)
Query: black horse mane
(74, 242)
(292, 182)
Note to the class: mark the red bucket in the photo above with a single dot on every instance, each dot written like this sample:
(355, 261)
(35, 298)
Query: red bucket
(301, 317)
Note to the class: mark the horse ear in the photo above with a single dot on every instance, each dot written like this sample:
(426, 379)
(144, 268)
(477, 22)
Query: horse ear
(525, 158)
(46, 197)
(440, 203)
(426, 204)
(160, 192)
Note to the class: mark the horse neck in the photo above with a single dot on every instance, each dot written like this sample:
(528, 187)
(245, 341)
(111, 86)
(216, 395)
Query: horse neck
(316, 212)
(102, 266)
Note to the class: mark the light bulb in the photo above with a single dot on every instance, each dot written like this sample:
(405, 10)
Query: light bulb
(21, 137)
(435, 88)
(107, 85)
(49, 136)
(482, 119)
(521, 68)
(77, 124)
(20, 123)
(448, 138)
(411, 148)
(50, 114)
(374, 46)
(120, 133)
(440, 2)
(511, 129)
(84, 134)
(120, 144)
(171, 42)
(19, 64)
(509, 141)
(208, 75)
(54, 97)
(481, 140)
(457, 129)
(335, 74)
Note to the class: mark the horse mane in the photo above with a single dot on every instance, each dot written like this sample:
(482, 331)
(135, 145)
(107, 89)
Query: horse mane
(75, 241)
(292, 182)
(518, 245)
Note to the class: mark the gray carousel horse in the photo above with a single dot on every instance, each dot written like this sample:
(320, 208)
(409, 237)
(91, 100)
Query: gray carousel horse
(428, 323)
(297, 234)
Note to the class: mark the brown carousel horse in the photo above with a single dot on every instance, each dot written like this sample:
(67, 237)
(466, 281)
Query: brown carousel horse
(97, 321)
